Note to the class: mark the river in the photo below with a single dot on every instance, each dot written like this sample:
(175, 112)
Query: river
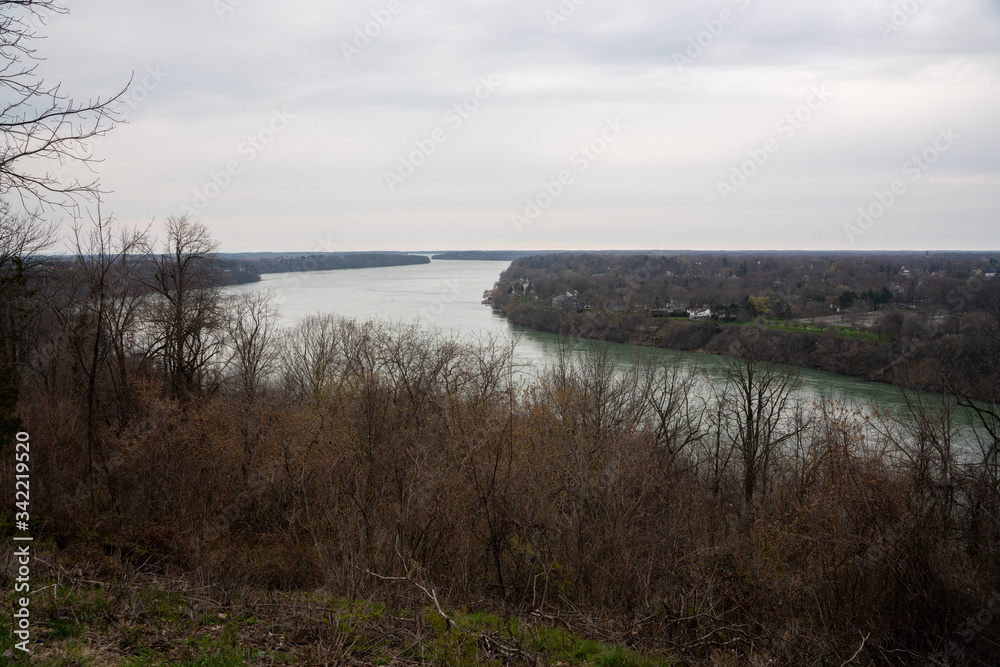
(448, 295)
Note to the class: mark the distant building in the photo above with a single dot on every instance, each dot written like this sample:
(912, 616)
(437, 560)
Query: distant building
(669, 310)
(567, 301)
(703, 314)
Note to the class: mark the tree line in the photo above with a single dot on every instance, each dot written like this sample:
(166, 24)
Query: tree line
(242, 268)
(746, 285)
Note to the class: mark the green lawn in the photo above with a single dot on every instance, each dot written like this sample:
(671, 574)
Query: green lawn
(779, 325)
(841, 332)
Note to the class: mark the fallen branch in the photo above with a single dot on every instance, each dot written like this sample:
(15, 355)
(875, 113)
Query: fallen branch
(863, 640)
(431, 593)
(551, 618)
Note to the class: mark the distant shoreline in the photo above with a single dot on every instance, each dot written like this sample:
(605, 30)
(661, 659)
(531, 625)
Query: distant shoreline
(246, 268)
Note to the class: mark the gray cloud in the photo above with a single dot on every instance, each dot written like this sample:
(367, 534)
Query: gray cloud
(324, 176)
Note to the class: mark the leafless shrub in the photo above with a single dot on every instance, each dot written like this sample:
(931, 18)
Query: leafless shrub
(602, 498)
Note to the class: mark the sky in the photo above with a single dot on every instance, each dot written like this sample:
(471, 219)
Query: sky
(545, 124)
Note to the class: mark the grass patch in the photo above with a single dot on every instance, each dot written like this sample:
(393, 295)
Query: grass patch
(156, 625)
(838, 331)
(557, 645)
(64, 628)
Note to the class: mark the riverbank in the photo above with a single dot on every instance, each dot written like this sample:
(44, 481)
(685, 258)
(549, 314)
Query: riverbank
(922, 321)
(899, 363)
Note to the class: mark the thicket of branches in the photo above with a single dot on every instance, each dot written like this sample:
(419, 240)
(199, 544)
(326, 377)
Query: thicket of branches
(731, 521)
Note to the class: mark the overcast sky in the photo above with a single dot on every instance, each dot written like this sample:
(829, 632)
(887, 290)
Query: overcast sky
(726, 124)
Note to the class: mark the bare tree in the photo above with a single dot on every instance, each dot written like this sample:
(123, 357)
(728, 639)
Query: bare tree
(106, 263)
(311, 353)
(611, 400)
(493, 357)
(22, 237)
(186, 316)
(761, 394)
(39, 124)
(124, 317)
(251, 334)
(966, 376)
(716, 451)
(670, 393)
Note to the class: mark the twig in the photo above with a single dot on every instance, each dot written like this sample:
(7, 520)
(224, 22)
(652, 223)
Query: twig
(552, 617)
(863, 640)
(431, 593)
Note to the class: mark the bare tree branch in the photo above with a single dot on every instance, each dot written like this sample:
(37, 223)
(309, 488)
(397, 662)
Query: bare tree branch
(39, 124)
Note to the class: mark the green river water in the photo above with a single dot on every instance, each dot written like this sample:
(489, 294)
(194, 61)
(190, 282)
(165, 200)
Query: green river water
(448, 295)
